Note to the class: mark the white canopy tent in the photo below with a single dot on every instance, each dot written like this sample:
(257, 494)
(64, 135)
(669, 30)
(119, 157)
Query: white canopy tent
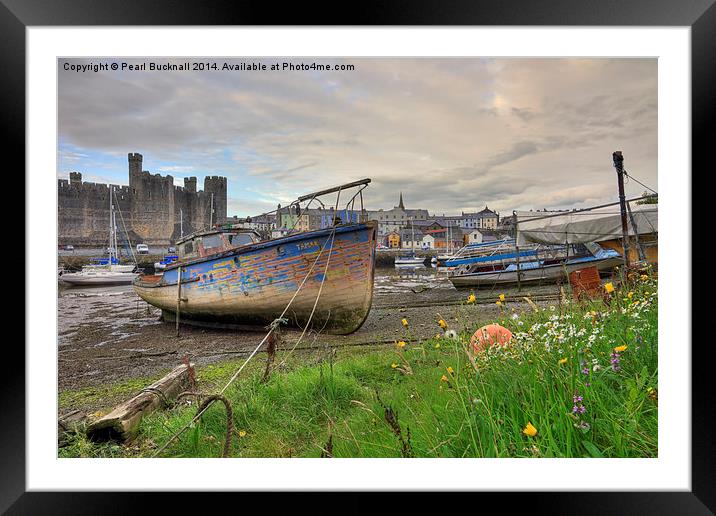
(579, 227)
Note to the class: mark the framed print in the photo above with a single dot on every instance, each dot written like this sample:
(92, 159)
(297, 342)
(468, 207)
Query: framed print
(428, 240)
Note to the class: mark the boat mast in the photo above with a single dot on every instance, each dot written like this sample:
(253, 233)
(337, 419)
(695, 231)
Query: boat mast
(181, 223)
(111, 226)
(211, 212)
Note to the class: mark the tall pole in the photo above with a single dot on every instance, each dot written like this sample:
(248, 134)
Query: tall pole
(619, 166)
(181, 223)
(211, 212)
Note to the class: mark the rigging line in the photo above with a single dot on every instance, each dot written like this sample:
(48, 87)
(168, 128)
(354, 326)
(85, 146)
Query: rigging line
(320, 289)
(253, 353)
(642, 184)
(126, 234)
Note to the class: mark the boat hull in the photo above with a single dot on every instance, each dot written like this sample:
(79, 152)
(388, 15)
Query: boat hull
(547, 274)
(112, 278)
(251, 285)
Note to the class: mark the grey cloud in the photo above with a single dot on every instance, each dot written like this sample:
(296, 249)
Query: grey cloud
(472, 132)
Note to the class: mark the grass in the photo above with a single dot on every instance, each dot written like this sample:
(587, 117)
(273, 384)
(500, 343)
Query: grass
(561, 374)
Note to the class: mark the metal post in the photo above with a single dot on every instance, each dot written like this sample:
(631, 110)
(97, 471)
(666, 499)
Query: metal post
(178, 297)
(517, 250)
(619, 166)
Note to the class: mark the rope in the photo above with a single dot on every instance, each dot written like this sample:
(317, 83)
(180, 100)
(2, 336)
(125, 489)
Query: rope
(272, 327)
(642, 184)
(315, 303)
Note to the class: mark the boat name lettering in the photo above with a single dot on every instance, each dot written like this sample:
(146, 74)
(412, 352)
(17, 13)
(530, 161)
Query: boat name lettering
(306, 245)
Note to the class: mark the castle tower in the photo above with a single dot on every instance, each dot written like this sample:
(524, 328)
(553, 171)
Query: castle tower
(190, 184)
(135, 168)
(217, 186)
(75, 179)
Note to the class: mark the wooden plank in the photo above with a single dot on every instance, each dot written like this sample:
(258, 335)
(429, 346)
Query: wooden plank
(123, 422)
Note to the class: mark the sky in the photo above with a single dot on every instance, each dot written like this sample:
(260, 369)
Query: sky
(453, 134)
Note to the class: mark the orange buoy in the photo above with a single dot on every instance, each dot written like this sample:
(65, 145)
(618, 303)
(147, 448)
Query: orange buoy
(488, 335)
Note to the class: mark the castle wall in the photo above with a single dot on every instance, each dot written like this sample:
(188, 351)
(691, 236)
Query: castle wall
(151, 206)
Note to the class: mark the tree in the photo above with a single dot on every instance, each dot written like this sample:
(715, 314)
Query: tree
(648, 200)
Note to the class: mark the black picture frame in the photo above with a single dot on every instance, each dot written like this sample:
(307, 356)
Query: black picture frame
(700, 15)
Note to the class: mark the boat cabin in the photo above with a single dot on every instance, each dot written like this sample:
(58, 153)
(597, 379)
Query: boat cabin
(206, 243)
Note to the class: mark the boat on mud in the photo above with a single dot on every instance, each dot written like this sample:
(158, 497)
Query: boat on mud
(505, 265)
(228, 277)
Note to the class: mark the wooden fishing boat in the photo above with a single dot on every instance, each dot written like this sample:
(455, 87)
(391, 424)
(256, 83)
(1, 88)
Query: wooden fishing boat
(229, 277)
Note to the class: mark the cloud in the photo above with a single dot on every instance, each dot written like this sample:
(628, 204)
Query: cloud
(450, 133)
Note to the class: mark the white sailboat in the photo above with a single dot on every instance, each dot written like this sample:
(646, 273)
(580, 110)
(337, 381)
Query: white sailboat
(105, 271)
(442, 258)
(410, 259)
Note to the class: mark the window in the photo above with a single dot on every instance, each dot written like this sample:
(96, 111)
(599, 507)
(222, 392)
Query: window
(241, 239)
(212, 241)
(188, 248)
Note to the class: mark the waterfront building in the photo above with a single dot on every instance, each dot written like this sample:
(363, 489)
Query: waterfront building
(484, 219)
(396, 218)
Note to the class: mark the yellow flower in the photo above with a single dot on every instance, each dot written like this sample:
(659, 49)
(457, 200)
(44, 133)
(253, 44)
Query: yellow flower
(619, 349)
(401, 344)
(630, 294)
(471, 298)
(529, 430)
(393, 365)
(443, 378)
(450, 370)
(442, 324)
(242, 433)
(498, 303)
(502, 298)
(404, 322)
(437, 345)
(562, 361)
(609, 288)
(644, 277)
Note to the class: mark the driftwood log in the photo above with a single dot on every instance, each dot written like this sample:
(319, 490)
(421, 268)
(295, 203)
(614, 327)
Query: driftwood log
(123, 422)
(68, 425)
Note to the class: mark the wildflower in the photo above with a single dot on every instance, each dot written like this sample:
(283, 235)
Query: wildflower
(619, 349)
(450, 370)
(442, 324)
(401, 344)
(596, 367)
(562, 361)
(242, 433)
(443, 378)
(578, 405)
(451, 334)
(498, 303)
(609, 288)
(437, 345)
(502, 297)
(630, 294)
(615, 361)
(393, 365)
(644, 277)
(471, 298)
(404, 322)
(529, 430)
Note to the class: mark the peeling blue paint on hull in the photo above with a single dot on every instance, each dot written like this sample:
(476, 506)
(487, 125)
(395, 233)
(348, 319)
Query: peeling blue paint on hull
(251, 285)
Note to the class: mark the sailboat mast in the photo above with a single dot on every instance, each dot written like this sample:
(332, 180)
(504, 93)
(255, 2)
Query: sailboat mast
(111, 225)
(211, 213)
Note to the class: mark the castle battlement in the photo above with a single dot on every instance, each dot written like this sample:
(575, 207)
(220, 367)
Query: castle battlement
(151, 204)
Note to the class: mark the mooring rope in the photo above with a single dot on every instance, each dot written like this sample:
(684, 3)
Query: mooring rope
(272, 327)
(315, 303)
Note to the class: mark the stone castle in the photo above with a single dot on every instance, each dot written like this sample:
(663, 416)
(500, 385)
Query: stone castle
(151, 207)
